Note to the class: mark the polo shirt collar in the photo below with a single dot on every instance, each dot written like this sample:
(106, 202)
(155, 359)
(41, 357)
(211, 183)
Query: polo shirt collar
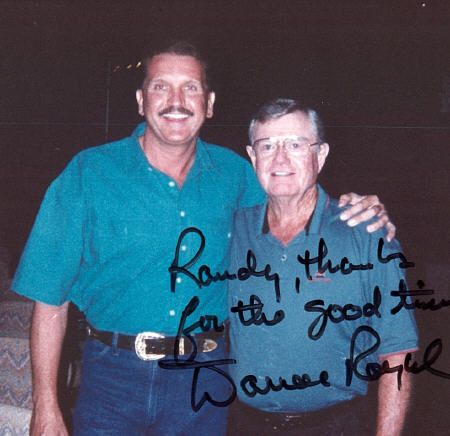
(323, 201)
(315, 222)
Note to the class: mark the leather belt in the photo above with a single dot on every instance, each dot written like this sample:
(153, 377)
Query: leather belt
(154, 346)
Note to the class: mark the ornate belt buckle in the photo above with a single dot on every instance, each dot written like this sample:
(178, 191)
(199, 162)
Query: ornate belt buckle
(209, 345)
(141, 347)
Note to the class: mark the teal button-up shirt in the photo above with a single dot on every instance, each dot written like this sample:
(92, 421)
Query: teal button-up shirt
(107, 232)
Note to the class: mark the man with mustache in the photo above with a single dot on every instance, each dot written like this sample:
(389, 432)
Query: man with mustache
(104, 239)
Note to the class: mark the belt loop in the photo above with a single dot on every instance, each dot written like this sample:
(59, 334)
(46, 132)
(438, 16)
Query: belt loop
(115, 338)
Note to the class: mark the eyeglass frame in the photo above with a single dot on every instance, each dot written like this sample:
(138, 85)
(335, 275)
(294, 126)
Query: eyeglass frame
(276, 140)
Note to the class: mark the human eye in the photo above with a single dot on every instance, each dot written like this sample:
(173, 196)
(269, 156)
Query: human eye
(266, 146)
(295, 146)
(192, 88)
(157, 86)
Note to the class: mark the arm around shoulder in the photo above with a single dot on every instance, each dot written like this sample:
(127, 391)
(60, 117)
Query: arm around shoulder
(364, 208)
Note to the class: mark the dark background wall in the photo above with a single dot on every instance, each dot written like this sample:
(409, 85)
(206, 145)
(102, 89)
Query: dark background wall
(376, 70)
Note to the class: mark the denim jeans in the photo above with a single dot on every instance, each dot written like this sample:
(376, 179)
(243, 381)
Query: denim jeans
(123, 395)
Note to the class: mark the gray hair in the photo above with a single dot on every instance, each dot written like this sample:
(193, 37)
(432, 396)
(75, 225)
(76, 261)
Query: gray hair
(283, 106)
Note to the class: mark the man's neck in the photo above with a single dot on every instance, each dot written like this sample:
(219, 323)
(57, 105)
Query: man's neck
(174, 161)
(287, 217)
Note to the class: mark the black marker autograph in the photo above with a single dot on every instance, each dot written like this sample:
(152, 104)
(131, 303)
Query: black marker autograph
(204, 323)
(249, 384)
(403, 293)
(374, 370)
(204, 275)
(336, 313)
(404, 263)
(257, 316)
(344, 266)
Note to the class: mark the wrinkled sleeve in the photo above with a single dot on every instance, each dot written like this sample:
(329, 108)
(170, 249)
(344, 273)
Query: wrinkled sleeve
(51, 259)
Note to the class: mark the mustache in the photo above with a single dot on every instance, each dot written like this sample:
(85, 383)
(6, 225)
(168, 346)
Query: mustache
(175, 109)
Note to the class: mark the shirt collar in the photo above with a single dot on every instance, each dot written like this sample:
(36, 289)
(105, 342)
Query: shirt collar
(203, 160)
(314, 223)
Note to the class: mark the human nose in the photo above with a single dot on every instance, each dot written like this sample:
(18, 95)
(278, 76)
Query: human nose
(281, 154)
(176, 97)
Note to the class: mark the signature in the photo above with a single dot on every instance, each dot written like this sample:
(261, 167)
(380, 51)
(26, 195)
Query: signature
(403, 293)
(344, 266)
(358, 363)
(204, 276)
(257, 316)
(336, 313)
(249, 383)
(204, 323)
(374, 370)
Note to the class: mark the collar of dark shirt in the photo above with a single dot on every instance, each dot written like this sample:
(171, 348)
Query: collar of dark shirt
(314, 223)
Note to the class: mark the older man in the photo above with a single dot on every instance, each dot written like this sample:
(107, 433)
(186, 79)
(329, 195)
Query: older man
(104, 239)
(301, 348)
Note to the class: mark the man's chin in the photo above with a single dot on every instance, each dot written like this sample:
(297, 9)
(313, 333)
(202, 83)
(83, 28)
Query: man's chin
(282, 193)
(177, 136)
(179, 141)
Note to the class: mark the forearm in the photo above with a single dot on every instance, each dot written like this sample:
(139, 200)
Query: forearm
(47, 334)
(392, 402)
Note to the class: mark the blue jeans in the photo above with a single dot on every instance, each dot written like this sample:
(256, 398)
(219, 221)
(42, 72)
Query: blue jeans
(123, 395)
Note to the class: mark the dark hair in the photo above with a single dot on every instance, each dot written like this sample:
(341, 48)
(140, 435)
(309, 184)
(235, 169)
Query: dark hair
(180, 48)
(283, 106)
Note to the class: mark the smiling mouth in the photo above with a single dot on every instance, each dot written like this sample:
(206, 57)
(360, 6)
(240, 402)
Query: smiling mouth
(282, 173)
(175, 116)
(175, 113)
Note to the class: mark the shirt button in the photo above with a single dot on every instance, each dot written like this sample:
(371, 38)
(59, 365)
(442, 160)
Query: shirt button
(229, 235)
(171, 312)
(284, 257)
(182, 213)
(149, 169)
(171, 183)
(178, 280)
(183, 248)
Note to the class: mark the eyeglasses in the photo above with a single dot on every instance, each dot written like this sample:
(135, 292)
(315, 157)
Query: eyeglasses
(293, 145)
